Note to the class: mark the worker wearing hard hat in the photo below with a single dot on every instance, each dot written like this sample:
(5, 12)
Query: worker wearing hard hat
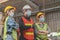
(25, 24)
(10, 26)
(41, 27)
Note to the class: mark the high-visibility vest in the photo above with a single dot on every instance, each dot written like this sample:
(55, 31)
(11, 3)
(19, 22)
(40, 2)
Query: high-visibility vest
(38, 27)
(14, 33)
(29, 33)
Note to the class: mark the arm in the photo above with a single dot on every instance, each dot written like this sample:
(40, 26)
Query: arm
(43, 31)
(46, 31)
(11, 25)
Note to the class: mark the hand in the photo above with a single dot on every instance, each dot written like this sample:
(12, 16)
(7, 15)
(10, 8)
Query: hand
(40, 32)
(43, 31)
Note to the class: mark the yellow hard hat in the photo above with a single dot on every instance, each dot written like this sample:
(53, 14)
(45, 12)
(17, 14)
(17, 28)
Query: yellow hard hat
(9, 7)
(39, 14)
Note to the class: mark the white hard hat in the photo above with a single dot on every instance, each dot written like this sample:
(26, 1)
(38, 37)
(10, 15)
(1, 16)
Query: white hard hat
(26, 7)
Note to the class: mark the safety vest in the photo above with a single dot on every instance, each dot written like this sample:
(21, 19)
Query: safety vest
(38, 27)
(29, 33)
(14, 34)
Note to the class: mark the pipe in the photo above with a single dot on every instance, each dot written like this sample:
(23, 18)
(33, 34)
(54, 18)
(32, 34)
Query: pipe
(51, 9)
(46, 10)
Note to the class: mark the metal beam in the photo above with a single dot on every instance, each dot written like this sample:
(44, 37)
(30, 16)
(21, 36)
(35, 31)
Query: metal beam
(52, 2)
(51, 9)
(44, 10)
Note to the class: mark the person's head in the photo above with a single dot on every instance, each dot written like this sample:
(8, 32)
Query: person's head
(27, 10)
(41, 17)
(9, 10)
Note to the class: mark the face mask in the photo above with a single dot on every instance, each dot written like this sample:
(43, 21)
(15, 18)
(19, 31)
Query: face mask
(12, 14)
(42, 19)
(28, 13)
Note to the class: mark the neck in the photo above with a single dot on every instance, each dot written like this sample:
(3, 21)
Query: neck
(26, 17)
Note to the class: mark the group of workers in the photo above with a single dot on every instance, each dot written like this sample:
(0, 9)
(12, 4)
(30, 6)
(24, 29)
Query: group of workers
(26, 29)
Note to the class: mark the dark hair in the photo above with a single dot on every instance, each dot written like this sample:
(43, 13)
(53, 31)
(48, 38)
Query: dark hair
(11, 9)
(5, 15)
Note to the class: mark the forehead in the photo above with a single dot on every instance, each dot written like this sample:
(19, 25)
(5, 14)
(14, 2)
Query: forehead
(12, 10)
(41, 15)
(27, 9)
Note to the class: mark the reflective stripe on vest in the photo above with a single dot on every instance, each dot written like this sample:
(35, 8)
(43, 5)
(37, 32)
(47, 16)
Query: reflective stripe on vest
(29, 33)
(42, 36)
(41, 28)
(27, 22)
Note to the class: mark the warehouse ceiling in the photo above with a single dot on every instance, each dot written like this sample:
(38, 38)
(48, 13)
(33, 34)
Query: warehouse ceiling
(46, 2)
(35, 4)
(18, 4)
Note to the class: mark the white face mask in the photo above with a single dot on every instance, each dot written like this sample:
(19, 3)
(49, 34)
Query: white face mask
(11, 14)
(28, 13)
(42, 19)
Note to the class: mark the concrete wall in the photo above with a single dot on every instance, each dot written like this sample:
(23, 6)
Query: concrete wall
(53, 20)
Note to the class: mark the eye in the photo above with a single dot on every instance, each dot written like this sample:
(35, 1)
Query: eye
(27, 9)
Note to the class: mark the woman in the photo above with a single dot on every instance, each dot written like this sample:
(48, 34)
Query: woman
(41, 27)
(10, 26)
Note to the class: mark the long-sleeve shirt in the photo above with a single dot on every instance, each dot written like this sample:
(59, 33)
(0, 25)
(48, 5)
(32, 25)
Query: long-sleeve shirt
(11, 24)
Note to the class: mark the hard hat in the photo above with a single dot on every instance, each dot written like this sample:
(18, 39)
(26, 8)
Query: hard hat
(26, 7)
(9, 7)
(39, 14)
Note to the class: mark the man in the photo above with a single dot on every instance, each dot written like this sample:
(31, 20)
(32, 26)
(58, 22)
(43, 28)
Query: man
(10, 26)
(41, 27)
(25, 24)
